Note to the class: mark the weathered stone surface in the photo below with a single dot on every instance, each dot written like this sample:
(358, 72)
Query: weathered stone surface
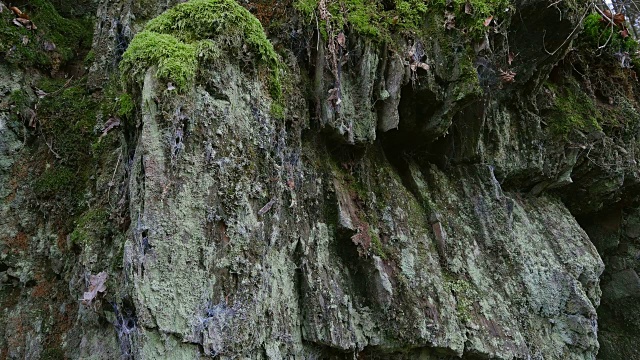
(416, 205)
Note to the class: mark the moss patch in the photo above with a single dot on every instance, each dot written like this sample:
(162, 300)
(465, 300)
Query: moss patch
(180, 38)
(574, 110)
(22, 47)
(380, 19)
(92, 226)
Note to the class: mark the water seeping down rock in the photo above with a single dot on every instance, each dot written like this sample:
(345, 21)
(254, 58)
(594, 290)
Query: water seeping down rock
(318, 180)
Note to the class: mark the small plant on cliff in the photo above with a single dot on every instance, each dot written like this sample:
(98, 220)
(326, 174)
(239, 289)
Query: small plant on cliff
(179, 38)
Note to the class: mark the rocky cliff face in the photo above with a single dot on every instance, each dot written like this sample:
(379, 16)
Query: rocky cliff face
(369, 180)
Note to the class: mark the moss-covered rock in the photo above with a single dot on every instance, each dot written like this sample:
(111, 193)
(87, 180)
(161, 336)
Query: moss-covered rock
(178, 39)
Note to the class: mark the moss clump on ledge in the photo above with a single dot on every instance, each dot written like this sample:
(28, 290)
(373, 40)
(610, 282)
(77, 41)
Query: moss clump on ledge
(176, 40)
(574, 110)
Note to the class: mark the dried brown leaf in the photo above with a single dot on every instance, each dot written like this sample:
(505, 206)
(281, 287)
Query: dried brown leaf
(468, 9)
(624, 33)
(110, 124)
(488, 20)
(618, 19)
(15, 10)
(96, 285)
(342, 40)
(507, 76)
(49, 46)
(449, 20)
(41, 93)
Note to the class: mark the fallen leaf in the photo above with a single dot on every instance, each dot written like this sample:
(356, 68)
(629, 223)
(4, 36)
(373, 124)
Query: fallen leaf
(49, 46)
(507, 76)
(624, 33)
(96, 285)
(488, 20)
(424, 66)
(15, 10)
(25, 40)
(110, 124)
(468, 9)
(618, 19)
(41, 93)
(449, 20)
(24, 16)
(342, 40)
(267, 207)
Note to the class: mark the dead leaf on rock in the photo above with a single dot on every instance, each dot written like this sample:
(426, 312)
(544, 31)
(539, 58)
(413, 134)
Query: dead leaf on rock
(41, 93)
(468, 9)
(15, 10)
(49, 46)
(507, 76)
(618, 19)
(488, 20)
(449, 20)
(96, 285)
(110, 124)
(624, 33)
(342, 40)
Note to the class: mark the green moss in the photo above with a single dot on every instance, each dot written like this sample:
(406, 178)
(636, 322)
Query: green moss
(54, 181)
(67, 121)
(574, 110)
(191, 32)
(92, 226)
(597, 33)
(175, 60)
(378, 19)
(52, 354)
(23, 47)
(376, 245)
(277, 110)
(125, 105)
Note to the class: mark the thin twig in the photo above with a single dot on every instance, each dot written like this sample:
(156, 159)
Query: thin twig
(568, 37)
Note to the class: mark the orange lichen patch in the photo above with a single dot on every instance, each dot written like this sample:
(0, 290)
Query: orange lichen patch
(18, 243)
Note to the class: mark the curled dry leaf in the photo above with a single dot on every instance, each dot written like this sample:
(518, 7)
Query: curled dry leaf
(342, 40)
(96, 285)
(618, 19)
(468, 9)
(41, 93)
(15, 10)
(110, 124)
(488, 20)
(507, 76)
(49, 46)
(624, 33)
(449, 20)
